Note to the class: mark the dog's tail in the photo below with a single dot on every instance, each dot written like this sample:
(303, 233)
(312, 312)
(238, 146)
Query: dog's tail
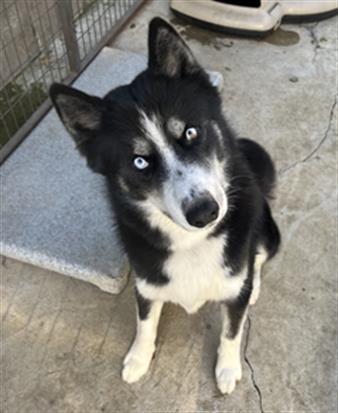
(260, 164)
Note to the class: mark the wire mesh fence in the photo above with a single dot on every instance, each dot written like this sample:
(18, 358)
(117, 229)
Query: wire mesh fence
(46, 41)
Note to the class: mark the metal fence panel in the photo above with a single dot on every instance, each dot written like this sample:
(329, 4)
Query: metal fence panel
(46, 41)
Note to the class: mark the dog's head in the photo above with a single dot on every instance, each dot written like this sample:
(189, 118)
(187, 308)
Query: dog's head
(159, 139)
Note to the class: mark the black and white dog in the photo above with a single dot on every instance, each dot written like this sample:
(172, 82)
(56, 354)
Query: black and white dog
(190, 200)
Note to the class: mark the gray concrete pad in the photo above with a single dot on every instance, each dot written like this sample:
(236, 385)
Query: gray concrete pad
(64, 340)
(56, 214)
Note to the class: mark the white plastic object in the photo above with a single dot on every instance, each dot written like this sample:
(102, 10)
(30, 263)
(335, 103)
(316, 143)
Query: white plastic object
(257, 20)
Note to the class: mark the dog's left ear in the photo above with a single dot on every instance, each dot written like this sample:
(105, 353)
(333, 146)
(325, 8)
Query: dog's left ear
(168, 53)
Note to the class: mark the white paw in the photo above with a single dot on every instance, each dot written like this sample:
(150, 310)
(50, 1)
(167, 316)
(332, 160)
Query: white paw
(134, 370)
(254, 295)
(226, 378)
(135, 365)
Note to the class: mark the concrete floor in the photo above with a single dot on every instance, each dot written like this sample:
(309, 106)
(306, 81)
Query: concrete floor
(63, 340)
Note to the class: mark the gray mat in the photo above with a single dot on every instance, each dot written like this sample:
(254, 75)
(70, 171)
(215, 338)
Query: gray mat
(54, 211)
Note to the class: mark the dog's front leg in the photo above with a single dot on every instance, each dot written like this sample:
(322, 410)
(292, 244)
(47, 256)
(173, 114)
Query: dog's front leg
(138, 358)
(228, 367)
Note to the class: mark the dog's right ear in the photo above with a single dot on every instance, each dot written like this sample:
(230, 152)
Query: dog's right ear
(80, 113)
(82, 116)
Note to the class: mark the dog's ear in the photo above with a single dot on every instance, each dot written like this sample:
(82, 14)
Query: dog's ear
(82, 116)
(80, 113)
(168, 53)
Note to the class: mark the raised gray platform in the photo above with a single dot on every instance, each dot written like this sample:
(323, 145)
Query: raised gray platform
(54, 211)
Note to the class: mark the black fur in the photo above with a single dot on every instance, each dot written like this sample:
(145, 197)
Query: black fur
(260, 164)
(143, 305)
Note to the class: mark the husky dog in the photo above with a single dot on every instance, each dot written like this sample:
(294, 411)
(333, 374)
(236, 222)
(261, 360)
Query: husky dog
(190, 200)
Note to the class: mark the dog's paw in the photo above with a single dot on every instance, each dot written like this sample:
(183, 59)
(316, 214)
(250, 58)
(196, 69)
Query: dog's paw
(134, 369)
(254, 295)
(226, 378)
(136, 364)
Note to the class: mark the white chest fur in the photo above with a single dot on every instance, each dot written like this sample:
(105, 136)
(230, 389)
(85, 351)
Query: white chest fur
(196, 275)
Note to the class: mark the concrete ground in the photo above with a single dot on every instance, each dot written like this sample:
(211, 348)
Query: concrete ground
(63, 340)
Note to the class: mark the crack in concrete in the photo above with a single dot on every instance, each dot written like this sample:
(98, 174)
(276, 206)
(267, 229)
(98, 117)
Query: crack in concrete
(252, 370)
(318, 146)
(314, 40)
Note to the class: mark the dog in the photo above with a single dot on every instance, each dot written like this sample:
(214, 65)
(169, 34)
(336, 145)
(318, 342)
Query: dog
(191, 200)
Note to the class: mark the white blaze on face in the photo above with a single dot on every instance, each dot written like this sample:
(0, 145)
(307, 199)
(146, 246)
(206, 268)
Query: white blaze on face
(185, 182)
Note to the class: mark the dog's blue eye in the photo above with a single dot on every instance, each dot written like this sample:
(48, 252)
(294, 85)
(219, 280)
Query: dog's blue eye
(191, 134)
(140, 163)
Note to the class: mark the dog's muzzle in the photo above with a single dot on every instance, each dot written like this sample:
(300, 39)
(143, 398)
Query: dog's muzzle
(202, 211)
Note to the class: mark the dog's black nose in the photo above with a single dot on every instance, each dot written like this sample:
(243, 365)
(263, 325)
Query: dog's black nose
(202, 212)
